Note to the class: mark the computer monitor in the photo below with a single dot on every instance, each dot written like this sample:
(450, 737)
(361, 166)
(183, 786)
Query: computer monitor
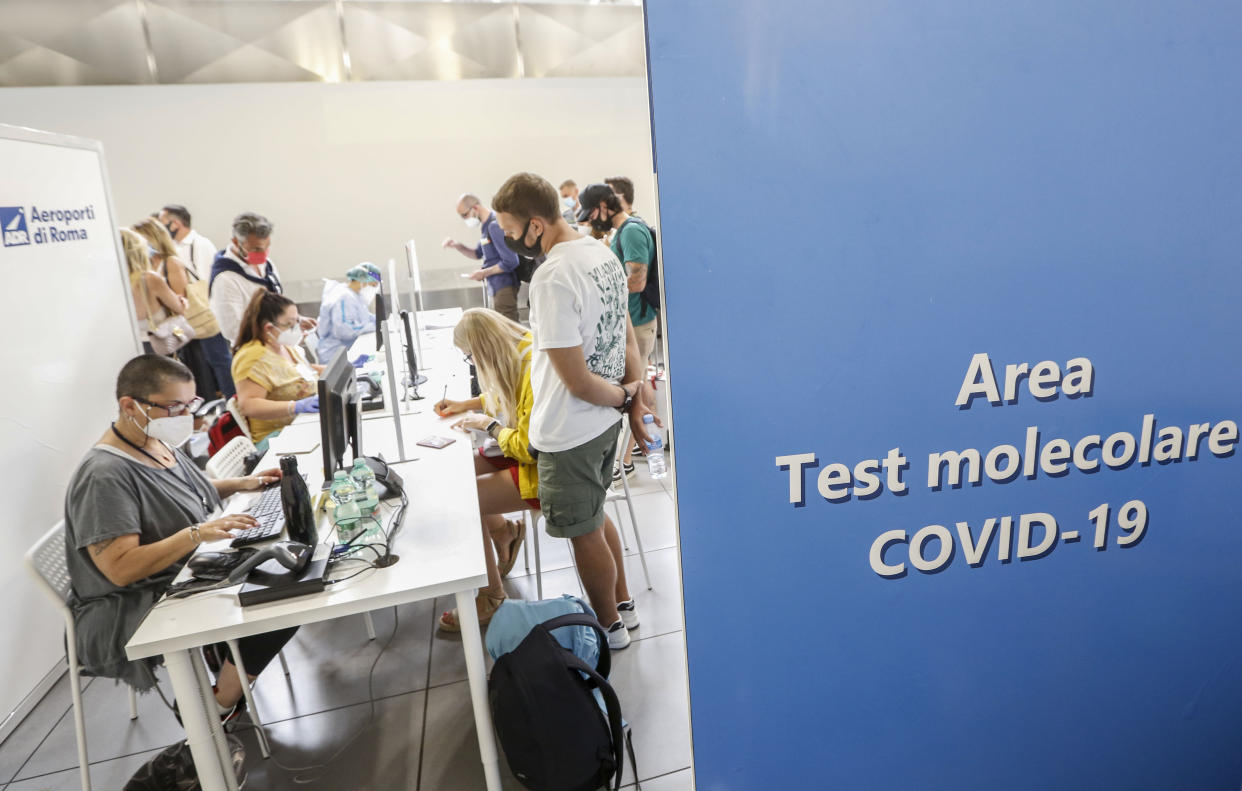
(411, 358)
(339, 415)
(381, 312)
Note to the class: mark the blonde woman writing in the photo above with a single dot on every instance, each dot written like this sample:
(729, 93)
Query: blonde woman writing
(500, 350)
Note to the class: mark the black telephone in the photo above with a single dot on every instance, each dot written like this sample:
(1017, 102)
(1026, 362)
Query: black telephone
(296, 500)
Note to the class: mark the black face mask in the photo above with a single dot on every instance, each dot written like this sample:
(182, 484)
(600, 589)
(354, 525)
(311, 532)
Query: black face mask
(518, 245)
(171, 232)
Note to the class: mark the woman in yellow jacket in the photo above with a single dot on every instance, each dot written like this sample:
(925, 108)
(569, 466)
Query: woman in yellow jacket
(501, 351)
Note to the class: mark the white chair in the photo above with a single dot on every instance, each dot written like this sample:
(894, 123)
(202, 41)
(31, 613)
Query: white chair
(230, 461)
(611, 496)
(238, 418)
(46, 563)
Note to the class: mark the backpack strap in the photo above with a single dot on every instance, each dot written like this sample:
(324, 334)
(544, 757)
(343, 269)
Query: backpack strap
(604, 666)
(612, 703)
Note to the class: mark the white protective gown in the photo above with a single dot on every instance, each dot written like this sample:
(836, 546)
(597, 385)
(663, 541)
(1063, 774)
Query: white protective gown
(343, 316)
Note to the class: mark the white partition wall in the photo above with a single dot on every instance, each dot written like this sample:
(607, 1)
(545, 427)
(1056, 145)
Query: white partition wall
(70, 326)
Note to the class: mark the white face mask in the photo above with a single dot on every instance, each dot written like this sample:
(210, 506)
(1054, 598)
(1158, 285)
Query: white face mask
(568, 202)
(172, 431)
(473, 222)
(368, 293)
(290, 337)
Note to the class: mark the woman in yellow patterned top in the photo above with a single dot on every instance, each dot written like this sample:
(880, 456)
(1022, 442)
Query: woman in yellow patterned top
(501, 351)
(274, 381)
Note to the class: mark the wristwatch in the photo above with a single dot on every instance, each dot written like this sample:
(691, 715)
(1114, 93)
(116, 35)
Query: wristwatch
(629, 399)
(493, 429)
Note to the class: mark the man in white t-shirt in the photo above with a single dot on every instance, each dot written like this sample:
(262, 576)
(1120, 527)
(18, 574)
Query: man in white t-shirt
(195, 250)
(585, 373)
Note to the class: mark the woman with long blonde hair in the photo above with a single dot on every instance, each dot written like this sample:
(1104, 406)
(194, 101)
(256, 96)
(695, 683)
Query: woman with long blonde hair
(206, 356)
(152, 296)
(501, 352)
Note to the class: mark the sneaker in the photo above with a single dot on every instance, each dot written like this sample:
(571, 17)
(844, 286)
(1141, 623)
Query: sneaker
(618, 637)
(616, 471)
(628, 613)
(637, 450)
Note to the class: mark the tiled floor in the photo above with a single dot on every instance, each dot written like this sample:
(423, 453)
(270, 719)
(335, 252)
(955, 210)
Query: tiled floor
(420, 734)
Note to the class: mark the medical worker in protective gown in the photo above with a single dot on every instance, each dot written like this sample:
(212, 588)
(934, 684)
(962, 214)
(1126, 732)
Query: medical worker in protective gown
(345, 312)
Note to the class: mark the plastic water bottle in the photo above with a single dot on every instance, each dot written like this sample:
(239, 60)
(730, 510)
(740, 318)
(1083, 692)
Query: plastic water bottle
(364, 479)
(344, 493)
(655, 449)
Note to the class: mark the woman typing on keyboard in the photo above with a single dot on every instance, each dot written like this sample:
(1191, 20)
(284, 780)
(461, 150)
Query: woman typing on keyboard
(135, 509)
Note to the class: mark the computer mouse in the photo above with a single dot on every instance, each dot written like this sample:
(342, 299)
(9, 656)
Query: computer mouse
(212, 564)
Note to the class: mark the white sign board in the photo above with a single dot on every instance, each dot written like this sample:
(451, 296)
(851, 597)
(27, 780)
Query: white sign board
(69, 327)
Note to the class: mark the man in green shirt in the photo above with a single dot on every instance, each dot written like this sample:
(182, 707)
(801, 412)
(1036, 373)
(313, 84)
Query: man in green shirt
(634, 246)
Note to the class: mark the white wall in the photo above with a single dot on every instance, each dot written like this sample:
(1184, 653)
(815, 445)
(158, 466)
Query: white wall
(347, 172)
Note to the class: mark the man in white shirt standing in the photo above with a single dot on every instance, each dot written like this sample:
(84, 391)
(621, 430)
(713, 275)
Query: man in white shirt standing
(195, 250)
(240, 270)
(585, 374)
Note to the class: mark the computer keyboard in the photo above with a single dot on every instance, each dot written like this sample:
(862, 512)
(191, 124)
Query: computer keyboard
(270, 514)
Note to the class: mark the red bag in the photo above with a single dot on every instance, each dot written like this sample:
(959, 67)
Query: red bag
(224, 429)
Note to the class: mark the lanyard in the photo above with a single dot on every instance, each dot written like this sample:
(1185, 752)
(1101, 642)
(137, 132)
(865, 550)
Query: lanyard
(182, 482)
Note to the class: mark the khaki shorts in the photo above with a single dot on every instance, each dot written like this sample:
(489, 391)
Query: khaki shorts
(574, 482)
(504, 302)
(646, 335)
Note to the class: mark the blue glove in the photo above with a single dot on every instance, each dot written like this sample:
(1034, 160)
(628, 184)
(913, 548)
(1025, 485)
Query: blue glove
(362, 360)
(308, 405)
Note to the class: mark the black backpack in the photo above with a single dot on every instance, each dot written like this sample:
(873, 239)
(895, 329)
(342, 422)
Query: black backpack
(549, 723)
(650, 295)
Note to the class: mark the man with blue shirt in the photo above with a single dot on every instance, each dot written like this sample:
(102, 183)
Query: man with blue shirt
(498, 260)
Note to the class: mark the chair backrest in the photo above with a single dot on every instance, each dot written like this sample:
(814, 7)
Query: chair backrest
(46, 563)
(230, 461)
(238, 417)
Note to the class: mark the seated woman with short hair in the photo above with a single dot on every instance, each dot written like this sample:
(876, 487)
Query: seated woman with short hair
(135, 509)
(274, 381)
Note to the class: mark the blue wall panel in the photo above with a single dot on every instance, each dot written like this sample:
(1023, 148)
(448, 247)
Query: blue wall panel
(855, 199)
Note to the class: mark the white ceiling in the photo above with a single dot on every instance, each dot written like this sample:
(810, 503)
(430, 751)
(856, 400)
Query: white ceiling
(135, 42)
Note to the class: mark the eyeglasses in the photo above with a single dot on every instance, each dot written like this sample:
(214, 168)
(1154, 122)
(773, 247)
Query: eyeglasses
(176, 407)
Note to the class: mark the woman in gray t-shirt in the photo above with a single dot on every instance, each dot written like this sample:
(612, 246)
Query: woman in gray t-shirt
(135, 510)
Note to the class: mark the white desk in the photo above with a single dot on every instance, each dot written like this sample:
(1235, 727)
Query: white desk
(441, 552)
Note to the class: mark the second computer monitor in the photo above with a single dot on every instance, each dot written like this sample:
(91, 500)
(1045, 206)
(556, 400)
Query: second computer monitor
(339, 414)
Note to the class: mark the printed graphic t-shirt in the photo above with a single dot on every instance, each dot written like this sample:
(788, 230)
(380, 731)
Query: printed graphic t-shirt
(577, 298)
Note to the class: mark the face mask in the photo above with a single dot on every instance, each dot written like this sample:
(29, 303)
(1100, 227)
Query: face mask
(472, 222)
(152, 252)
(601, 225)
(518, 245)
(369, 292)
(172, 431)
(171, 232)
(290, 337)
(567, 202)
(256, 257)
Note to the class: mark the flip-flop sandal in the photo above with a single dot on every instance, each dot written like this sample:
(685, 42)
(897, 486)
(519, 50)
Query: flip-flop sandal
(514, 545)
(449, 622)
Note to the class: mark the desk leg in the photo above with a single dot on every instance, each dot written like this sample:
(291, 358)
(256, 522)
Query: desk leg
(194, 716)
(217, 729)
(476, 669)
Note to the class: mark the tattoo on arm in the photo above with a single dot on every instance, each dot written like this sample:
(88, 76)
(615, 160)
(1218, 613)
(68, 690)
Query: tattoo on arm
(98, 549)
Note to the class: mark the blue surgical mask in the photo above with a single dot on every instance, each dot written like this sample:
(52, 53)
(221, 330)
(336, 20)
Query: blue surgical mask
(567, 202)
(152, 252)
